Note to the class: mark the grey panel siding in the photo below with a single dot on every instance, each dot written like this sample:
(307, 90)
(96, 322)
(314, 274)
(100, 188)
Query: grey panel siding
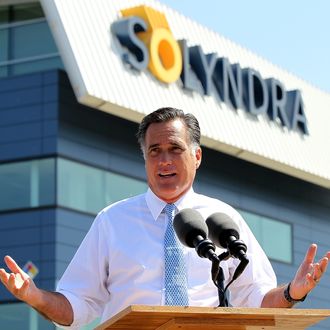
(71, 228)
(25, 236)
(49, 238)
(28, 115)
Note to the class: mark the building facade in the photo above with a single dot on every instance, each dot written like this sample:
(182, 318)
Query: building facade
(68, 146)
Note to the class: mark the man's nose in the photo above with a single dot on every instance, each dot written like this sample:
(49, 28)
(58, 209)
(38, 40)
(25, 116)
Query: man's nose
(165, 158)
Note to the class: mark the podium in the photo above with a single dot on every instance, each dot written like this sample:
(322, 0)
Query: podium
(142, 317)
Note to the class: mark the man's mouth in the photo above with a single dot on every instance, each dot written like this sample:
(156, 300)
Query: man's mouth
(167, 175)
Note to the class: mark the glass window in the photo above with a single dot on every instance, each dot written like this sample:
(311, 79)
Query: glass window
(4, 14)
(21, 12)
(92, 325)
(31, 40)
(4, 42)
(119, 187)
(274, 236)
(27, 184)
(27, 11)
(80, 187)
(89, 189)
(18, 316)
(34, 66)
(277, 240)
(27, 44)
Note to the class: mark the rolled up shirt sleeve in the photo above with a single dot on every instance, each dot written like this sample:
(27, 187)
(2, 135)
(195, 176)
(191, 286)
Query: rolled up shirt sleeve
(249, 289)
(84, 283)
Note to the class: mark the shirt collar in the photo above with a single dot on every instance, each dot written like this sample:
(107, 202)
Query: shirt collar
(156, 205)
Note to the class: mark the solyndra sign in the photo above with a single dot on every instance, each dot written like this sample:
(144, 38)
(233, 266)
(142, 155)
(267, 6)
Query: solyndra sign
(146, 41)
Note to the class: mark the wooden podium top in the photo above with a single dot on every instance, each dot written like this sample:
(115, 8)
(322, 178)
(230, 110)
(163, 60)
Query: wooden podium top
(141, 317)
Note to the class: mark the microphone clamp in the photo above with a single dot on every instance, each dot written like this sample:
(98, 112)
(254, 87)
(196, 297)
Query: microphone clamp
(205, 248)
(237, 249)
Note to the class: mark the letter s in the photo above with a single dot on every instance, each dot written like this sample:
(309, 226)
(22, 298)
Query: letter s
(134, 51)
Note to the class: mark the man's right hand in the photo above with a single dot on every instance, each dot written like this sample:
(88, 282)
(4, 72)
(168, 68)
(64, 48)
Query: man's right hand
(19, 283)
(52, 305)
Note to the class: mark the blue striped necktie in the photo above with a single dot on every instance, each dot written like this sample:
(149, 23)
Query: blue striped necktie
(176, 288)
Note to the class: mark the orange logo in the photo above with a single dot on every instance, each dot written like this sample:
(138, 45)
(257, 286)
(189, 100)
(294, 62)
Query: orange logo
(165, 61)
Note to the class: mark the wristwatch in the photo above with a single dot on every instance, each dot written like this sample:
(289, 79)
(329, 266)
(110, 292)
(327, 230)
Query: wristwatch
(289, 298)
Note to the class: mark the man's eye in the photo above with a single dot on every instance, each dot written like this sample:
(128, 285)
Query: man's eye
(177, 149)
(153, 152)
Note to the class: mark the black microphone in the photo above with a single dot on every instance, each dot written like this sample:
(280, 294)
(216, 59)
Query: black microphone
(192, 231)
(224, 232)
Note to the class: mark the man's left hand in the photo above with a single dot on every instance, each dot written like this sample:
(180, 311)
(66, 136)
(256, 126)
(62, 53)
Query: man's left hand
(309, 273)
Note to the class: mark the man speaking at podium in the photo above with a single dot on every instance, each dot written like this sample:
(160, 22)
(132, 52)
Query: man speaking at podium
(131, 256)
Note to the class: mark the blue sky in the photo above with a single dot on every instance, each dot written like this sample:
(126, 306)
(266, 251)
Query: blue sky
(293, 34)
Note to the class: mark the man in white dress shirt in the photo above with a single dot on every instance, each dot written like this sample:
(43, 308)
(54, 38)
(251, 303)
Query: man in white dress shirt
(121, 260)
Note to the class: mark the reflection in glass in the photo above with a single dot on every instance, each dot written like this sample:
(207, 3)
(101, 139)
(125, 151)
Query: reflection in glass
(27, 184)
(274, 236)
(90, 189)
(27, 44)
(30, 40)
(18, 316)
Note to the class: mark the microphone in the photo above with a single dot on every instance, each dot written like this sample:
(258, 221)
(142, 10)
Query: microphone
(224, 232)
(192, 231)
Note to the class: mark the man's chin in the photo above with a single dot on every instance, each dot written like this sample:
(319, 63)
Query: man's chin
(169, 195)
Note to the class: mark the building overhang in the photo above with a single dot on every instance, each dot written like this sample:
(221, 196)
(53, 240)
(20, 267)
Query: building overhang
(104, 76)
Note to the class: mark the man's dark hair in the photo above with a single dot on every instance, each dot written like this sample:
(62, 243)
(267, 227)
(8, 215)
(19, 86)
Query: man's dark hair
(166, 114)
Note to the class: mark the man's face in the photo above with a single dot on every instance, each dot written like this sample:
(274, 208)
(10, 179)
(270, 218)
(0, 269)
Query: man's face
(170, 161)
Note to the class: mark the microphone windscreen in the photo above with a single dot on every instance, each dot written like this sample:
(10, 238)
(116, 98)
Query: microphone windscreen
(188, 224)
(221, 227)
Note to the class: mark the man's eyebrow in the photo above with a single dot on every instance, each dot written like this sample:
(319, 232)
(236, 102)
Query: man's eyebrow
(173, 144)
(153, 146)
(176, 144)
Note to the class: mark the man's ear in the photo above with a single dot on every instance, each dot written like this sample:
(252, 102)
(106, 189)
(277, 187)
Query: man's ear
(198, 155)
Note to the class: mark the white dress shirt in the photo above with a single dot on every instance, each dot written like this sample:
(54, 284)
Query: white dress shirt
(121, 261)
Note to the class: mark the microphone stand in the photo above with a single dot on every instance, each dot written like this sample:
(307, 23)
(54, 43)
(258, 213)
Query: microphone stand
(219, 281)
(218, 276)
(205, 249)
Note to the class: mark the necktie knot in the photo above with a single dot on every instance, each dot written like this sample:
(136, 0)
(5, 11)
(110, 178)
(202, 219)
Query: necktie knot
(169, 211)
